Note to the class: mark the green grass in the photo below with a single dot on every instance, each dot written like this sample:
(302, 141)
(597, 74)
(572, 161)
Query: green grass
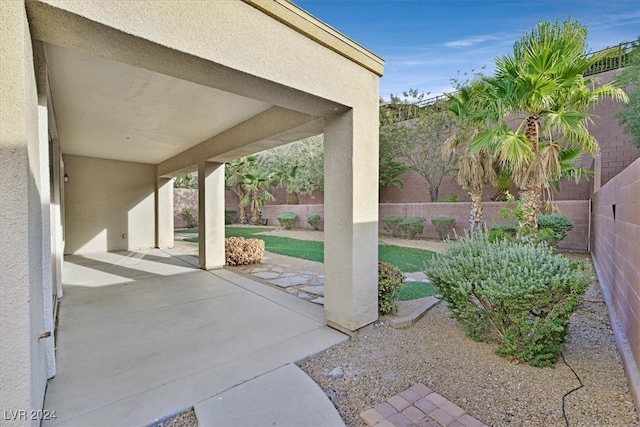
(415, 290)
(406, 259)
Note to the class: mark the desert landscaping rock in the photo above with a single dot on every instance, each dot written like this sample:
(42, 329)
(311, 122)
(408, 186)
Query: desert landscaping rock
(336, 373)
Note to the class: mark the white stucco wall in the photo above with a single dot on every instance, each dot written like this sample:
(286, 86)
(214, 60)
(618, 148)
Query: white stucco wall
(23, 370)
(106, 199)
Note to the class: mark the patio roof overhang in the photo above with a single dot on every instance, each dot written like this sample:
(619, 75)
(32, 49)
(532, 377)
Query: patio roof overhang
(120, 92)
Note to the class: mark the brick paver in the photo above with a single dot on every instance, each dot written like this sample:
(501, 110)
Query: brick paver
(418, 406)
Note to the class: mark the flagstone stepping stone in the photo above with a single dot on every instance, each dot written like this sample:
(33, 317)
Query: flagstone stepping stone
(317, 283)
(266, 275)
(285, 282)
(317, 290)
(318, 300)
(410, 279)
(304, 295)
(310, 273)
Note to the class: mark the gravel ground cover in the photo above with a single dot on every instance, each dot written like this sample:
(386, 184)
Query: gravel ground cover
(380, 362)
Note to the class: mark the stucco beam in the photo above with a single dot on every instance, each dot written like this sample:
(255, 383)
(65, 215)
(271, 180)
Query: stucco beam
(273, 127)
(306, 24)
(53, 24)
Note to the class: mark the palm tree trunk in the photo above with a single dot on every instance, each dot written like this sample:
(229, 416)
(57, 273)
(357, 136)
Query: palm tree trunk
(476, 218)
(292, 198)
(531, 192)
(531, 197)
(242, 209)
(255, 211)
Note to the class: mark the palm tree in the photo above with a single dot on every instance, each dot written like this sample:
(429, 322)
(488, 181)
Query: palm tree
(235, 172)
(475, 169)
(541, 86)
(256, 185)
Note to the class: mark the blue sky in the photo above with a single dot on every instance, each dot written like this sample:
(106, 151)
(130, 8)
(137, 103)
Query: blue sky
(425, 43)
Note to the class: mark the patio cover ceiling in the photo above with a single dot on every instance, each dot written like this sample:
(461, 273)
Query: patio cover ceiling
(112, 110)
(121, 97)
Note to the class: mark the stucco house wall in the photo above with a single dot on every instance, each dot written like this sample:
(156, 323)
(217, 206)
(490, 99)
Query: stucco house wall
(109, 205)
(23, 365)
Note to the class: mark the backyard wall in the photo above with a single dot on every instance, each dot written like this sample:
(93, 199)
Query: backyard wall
(109, 205)
(576, 210)
(616, 256)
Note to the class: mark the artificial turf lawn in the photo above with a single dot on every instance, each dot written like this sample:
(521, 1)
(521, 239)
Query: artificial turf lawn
(406, 259)
(415, 290)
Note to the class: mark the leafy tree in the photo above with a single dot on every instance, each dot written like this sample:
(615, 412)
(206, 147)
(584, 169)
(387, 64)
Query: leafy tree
(630, 77)
(298, 167)
(541, 84)
(189, 180)
(390, 168)
(419, 140)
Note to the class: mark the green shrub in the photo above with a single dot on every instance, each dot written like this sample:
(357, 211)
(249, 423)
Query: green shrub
(230, 216)
(390, 280)
(445, 226)
(186, 214)
(314, 221)
(391, 224)
(560, 224)
(287, 220)
(519, 295)
(503, 232)
(449, 198)
(413, 226)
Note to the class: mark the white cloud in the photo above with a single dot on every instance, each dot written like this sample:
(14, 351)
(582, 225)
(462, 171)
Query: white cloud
(471, 41)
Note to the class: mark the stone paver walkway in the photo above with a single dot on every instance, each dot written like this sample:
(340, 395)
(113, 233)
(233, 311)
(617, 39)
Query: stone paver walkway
(418, 406)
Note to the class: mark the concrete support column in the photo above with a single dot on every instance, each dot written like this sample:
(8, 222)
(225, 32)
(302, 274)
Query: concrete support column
(211, 214)
(164, 212)
(351, 219)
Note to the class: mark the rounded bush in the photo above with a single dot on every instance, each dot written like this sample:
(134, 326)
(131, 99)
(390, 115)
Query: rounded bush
(287, 220)
(413, 226)
(560, 224)
(519, 295)
(445, 226)
(230, 215)
(241, 251)
(314, 221)
(390, 281)
(391, 224)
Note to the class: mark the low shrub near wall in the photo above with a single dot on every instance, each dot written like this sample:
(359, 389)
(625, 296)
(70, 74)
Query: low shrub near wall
(241, 251)
(287, 220)
(487, 291)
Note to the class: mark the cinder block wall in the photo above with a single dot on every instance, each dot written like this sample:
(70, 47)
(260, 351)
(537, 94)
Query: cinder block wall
(576, 210)
(616, 256)
(184, 198)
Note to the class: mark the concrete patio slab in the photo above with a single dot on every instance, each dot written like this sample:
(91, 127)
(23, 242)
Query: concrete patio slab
(145, 334)
(285, 397)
